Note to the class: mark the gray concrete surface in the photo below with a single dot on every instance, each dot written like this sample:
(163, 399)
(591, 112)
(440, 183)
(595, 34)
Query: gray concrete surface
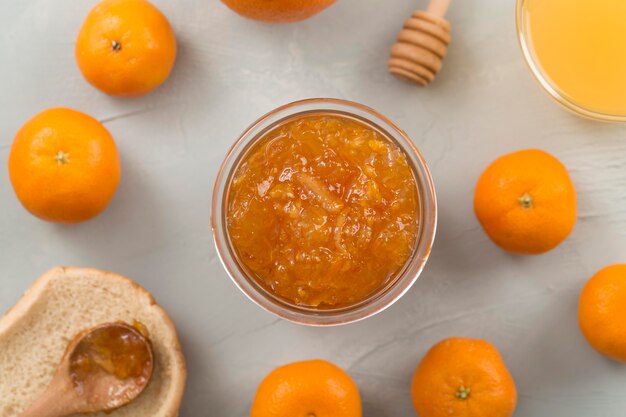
(229, 72)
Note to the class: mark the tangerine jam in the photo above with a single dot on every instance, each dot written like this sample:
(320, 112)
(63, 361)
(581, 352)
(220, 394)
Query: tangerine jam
(323, 211)
(113, 350)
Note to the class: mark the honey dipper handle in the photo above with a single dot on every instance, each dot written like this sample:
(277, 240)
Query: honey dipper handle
(438, 7)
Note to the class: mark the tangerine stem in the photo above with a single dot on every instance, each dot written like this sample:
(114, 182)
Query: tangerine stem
(62, 158)
(463, 393)
(526, 201)
(116, 46)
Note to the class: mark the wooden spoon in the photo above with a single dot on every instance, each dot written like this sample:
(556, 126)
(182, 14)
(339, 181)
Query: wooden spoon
(103, 368)
(422, 44)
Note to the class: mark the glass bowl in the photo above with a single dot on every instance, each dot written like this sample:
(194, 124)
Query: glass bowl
(383, 297)
(548, 86)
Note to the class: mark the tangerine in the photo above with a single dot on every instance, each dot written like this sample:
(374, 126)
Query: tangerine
(64, 166)
(125, 47)
(601, 312)
(278, 11)
(461, 377)
(526, 202)
(314, 388)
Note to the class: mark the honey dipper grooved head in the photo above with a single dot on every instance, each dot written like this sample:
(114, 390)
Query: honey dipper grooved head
(420, 48)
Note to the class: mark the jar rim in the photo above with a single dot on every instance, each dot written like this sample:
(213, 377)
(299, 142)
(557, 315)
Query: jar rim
(546, 85)
(383, 297)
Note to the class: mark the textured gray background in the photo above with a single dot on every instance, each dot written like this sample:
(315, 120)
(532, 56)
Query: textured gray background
(229, 72)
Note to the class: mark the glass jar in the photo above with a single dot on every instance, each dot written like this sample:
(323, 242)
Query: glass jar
(384, 296)
(550, 87)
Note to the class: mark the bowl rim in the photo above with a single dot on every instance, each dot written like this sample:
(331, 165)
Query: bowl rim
(380, 300)
(547, 86)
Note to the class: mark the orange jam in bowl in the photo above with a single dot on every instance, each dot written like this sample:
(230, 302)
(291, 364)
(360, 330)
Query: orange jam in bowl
(324, 212)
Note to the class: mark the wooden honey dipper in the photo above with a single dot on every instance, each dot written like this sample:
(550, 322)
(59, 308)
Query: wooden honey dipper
(422, 44)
